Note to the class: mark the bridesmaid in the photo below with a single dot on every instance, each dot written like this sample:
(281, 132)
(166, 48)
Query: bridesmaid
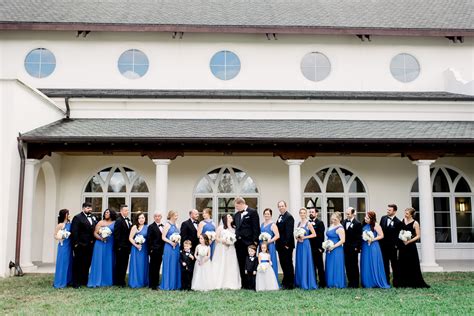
(335, 270)
(268, 226)
(101, 273)
(371, 261)
(63, 274)
(138, 269)
(171, 273)
(304, 268)
(410, 271)
(207, 225)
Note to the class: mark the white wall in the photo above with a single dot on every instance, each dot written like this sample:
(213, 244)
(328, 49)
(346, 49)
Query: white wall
(18, 102)
(91, 62)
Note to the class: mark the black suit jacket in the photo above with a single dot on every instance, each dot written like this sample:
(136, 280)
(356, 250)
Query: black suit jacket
(247, 229)
(286, 227)
(317, 242)
(353, 235)
(121, 234)
(185, 258)
(82, 232)
(154, 241)
(251, 266)
(189, 232)
(390, 233)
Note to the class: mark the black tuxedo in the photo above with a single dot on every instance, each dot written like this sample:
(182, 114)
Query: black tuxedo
(285, 245)
(82, 240)
(155, 249)
(122, 247)
(247, 230)
(187, 268)
(389, 246)
(250, 272)
(352, 248)
(317, 251)
(189, 232)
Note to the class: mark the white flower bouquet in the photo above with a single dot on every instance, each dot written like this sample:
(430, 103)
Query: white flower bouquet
(328, 244)
(368, 235)
(262, 267)
(175, 237)
(299, 232)
(404, 235)
(105, 232)
(264, 237)
(211, 235)
(62, 235)
(228, 237)
(139, 239)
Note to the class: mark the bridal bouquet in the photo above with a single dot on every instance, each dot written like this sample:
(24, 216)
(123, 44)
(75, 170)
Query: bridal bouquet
(139, 239)
(211, 235)
(175, 237)
(62, 234)
(105, 232)
(368, 235)
(404, 235)
(264, 237)
(228, 237)
(299, 232)
(328, 244)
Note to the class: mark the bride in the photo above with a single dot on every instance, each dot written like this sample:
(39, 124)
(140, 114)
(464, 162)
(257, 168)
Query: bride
(225, 264)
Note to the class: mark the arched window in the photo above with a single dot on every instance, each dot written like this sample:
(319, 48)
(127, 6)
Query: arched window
(116, 185)
(452, 203)
(218, 188)
(334, 189)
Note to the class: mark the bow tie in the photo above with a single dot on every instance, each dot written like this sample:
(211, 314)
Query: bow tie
(195, 222)
(160, 225)
(89, 215)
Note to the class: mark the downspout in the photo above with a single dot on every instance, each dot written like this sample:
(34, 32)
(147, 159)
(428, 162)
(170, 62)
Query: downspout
(19, 217)
(68, 109)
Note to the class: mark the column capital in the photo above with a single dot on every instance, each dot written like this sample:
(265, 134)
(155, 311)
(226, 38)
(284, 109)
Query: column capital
(423, 162)
(32, 162)
(294, 162)
(161, 162)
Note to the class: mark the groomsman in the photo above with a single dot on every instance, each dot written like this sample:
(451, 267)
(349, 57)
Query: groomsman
(352, 246)
(391, 227)
(155, 250)
(317, 246)
(189, 229)
(82, 240)
(247, 230)
(122, 245)
(285, 245)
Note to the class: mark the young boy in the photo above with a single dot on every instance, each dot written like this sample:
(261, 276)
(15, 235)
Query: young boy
(187, 261)
(251, 263)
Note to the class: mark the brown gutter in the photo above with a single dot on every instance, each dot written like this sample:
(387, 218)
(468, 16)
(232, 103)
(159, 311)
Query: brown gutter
(251, 29)
(19, 216)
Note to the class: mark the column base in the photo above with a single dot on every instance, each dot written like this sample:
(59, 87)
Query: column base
(433, 267)
(28, 267)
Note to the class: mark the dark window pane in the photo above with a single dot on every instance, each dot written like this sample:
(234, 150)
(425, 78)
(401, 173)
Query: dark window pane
(312, 186)
(359, 204)
(334, 183)
(441, 204)
(414, 188)
(442, 219)
(356, 186)
(462, 186)
(465, 234)
(440, 183)
(139, 204)
(334, 205)
(415, 203)
(443, 235)
(140, 185)
(313, 203)
(202, 203)
(346, 174)
(115, 202)
(452, 174)
(94, 185)
(96, 206)
(226, 206)
(322, 174)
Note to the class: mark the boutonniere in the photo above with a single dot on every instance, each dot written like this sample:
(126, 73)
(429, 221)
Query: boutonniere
(391, 224)
(351, 226)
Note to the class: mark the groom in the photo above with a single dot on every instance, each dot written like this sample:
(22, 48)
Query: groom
(247, 231)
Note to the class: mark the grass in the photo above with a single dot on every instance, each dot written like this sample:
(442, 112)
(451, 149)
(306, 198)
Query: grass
(450, 293)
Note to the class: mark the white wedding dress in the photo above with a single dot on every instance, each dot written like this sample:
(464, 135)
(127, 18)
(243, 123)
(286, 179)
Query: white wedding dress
(225, 265)
(202, 275)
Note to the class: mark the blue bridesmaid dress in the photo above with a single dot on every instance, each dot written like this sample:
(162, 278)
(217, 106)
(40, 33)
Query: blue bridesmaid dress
(335, 270)
(171, 273)
(63, 273)
(138, 269)
(102, 266)
(210, 227)
(372, 270)
(271, 247)
(304, 269)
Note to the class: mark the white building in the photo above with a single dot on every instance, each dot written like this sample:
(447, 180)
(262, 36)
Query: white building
(182, 104)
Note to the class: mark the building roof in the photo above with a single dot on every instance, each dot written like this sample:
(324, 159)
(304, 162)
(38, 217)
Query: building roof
(151, 130)
(391, 17)
(257, 94)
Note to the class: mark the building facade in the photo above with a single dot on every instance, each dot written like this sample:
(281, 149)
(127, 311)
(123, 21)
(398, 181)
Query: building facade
(171, 109)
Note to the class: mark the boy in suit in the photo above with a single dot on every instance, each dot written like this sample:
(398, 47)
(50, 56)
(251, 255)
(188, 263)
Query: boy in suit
(187, 261)
(251, 263)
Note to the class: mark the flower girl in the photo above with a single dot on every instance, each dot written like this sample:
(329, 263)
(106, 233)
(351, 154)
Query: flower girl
(202, 276)
(266, 279)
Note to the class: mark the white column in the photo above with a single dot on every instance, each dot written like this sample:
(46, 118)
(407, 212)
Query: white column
(295, 186)
(427, 227)
(161, 187)
(31, 168)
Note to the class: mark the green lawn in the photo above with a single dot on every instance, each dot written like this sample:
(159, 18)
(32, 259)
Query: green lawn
(450, 293)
